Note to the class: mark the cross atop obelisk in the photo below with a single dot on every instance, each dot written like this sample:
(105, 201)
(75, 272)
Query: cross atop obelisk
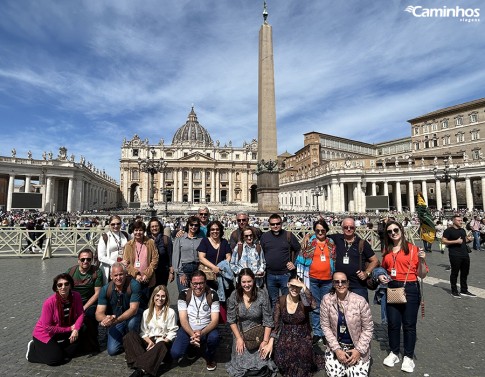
(267, 170)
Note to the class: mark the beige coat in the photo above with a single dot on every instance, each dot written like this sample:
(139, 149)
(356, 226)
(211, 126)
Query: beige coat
(358, 317)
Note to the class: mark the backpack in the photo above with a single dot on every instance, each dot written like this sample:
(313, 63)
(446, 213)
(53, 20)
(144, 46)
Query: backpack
(93, 270)
(126, 286)
(208, 296)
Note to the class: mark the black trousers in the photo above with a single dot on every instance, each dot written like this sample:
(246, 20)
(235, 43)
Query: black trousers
(138, 357)
(55, 352)
(459, 265)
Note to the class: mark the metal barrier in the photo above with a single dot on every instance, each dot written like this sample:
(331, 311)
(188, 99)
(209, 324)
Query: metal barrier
(69, 241)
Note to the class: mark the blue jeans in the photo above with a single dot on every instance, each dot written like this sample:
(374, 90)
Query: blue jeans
(476, 239)
(275, 283)
(361, 291)
(318, 288)
(405, 315)
(118, 331)
(182, 342)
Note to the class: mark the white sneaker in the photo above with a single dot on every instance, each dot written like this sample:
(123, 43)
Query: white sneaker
(391, 360)
(407, 365)
(28, 349)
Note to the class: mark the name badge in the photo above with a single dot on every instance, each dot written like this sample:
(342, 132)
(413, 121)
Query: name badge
(346, 260)
(322, 258)
(137, 264)
(393, 272)
(342, 329)
(197, 321)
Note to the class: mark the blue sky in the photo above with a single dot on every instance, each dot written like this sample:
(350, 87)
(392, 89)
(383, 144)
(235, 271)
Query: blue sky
(86, 74)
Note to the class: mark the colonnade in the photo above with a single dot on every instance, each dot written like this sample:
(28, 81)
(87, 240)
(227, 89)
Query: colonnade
(336, 195)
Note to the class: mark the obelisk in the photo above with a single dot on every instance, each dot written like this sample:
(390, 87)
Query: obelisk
(267, 170)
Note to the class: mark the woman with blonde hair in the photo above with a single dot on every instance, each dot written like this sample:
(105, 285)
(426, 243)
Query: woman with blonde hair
(146, 351)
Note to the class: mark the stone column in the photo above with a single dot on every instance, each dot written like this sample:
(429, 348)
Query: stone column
(175, 186)
(202, 190)
(374, 189)
(11, 188)
(181, 186)
(398, 196)
(412, 208)
(424, 190)
(483, 191)
(48, 195)
(213, 185)
(27, 183)
(230, 194)
(454, 201)
(69, 194)
(191, 185)
(79, 198)
(360, 198)
(469, 193)
(439, 201)
(342, 197)
(218, 186)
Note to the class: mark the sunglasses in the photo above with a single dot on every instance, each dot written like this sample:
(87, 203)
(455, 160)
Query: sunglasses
(348, 227)
(291, 286)
(393, 230)
(203, 214)
(194, 225)
(248, 236)
(275, 224)
(339, 282)
(215, 230)
(320, 231)
(85, 260)
(115, 224)
(198, 284)
(242, 220)
(60, 285)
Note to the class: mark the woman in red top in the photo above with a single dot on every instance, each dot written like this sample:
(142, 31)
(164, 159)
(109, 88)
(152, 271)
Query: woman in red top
(404, 262)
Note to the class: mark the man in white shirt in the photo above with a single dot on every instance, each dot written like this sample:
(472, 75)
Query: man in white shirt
(198, 308)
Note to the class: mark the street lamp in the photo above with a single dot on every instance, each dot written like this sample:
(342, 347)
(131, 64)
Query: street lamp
(151, 166)
(447, 174)
(317, 192)
(165, 192)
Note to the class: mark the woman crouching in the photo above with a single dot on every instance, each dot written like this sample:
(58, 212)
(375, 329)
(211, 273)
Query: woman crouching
(347, 323)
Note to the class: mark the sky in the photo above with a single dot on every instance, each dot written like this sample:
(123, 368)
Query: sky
(87, 74)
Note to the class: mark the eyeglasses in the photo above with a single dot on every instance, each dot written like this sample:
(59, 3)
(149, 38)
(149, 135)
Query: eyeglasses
(85, 260)
(115, 224)
(393, 230)
(198, 284)
(275, 224)
(248, 236)
(194, 225)
(348, 227)
(203, 214)
(242, 220)
(66, 284)
(339, 282)
(320, 231)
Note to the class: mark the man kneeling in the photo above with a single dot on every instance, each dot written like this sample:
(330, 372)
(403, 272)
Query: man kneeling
(198, 309)
(118, 307)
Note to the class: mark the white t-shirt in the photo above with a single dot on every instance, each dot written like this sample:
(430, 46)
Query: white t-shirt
(198, 310)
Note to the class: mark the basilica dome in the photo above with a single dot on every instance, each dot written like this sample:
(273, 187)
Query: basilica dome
(192, 133)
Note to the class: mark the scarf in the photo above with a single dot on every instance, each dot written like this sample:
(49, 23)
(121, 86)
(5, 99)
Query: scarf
(60, 302)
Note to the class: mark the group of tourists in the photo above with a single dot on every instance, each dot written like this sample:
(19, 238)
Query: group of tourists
(280, 297)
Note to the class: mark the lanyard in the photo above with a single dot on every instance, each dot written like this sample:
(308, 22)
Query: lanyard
(198, 306)
(118, 241)
(138, 252)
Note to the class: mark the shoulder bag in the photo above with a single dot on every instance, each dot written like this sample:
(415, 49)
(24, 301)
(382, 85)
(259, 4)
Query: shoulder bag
(398, 295)
(253, 336)
(209, 274)
(372, 283)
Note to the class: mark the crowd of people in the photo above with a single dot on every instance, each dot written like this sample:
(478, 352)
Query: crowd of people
(279, 297)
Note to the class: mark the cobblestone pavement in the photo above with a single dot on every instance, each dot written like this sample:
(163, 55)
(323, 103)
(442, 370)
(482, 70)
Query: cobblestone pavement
(449, 337)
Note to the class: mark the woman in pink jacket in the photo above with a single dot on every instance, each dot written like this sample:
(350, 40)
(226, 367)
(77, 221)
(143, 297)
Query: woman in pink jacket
(56, 334)
(347, 323)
